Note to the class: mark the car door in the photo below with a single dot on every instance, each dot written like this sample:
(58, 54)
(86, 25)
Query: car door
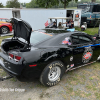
(82, 49)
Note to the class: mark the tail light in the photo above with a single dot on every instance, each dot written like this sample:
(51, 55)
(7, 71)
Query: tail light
(33, 65)
(11, 56)
(16, 58)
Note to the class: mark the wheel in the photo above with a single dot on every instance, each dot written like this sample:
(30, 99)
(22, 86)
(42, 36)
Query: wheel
(52, 73)
(4, 30)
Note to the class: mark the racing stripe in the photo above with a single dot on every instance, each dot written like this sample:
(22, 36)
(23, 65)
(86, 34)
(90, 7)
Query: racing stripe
(89, 45)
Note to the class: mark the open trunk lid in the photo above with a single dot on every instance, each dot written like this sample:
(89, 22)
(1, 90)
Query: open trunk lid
(21, 29)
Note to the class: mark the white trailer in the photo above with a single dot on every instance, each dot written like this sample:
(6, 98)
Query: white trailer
(9, 13)
(76, 16)
(38, 17)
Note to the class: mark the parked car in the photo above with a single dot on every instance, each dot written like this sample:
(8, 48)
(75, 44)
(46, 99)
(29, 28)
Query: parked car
(5, 20)
(47, 54)
(5, 27)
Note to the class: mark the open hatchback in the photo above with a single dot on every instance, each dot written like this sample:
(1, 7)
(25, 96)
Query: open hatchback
(11, 48)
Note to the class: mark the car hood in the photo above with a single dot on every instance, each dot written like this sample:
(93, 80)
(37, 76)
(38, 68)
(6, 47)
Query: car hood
(2, 22)
(21, 29)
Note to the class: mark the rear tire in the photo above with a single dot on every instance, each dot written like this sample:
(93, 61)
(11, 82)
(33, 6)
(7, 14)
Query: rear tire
(4, 30)
(52, 73)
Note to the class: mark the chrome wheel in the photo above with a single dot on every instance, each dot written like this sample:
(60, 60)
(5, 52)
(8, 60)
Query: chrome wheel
(4, 30)
(54, 73)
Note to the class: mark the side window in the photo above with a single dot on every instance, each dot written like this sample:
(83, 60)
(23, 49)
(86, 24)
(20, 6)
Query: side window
(75, 39)
(84, 39)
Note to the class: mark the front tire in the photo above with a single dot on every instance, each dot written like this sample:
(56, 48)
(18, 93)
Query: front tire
(52, 73)
(4, 30)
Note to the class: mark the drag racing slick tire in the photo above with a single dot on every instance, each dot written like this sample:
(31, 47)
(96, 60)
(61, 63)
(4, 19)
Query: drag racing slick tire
(52, 73)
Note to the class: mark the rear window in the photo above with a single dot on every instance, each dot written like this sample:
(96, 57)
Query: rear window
(37, 37)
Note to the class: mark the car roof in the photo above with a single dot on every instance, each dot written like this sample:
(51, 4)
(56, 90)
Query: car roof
(52, 41)
(60, 18)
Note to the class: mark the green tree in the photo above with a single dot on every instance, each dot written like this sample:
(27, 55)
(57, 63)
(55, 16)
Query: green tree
(1, 5)
(32, 4)
(47, 3)
(72, 4)
(12, 4)
(93, 0)
(66, 2)
(23, 4)
(50, 3)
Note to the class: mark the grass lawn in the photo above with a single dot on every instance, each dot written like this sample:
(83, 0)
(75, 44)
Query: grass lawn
(4, 37)
(71, 8)
(90, 31)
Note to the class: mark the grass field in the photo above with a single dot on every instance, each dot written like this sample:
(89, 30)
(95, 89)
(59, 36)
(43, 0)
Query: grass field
(90, 31)
(79, 84)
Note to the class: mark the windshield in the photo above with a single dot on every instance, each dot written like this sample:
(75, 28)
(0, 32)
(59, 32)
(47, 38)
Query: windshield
(89, 8)
(85, 8)
(37, 37)
(82, 6)
(96, 8)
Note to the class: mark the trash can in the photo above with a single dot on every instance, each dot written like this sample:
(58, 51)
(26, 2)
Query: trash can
(83, 28)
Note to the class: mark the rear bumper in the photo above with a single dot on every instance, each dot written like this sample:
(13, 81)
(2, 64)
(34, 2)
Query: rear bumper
(22, 72)
(7, 70)
(13, 69)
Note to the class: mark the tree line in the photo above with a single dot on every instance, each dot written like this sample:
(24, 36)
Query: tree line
(45, 3)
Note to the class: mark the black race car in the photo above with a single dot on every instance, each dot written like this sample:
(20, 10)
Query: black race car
(46, 54)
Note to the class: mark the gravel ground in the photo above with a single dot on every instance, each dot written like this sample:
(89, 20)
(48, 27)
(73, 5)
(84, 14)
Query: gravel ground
(79, 84)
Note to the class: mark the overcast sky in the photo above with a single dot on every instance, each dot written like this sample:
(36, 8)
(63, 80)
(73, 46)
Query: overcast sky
(22, 1)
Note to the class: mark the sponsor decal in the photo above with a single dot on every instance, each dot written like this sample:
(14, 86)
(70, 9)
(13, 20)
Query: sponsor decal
(71, 58)
(94, 38)
(66, 41)
(72, 65)
(87, 55)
